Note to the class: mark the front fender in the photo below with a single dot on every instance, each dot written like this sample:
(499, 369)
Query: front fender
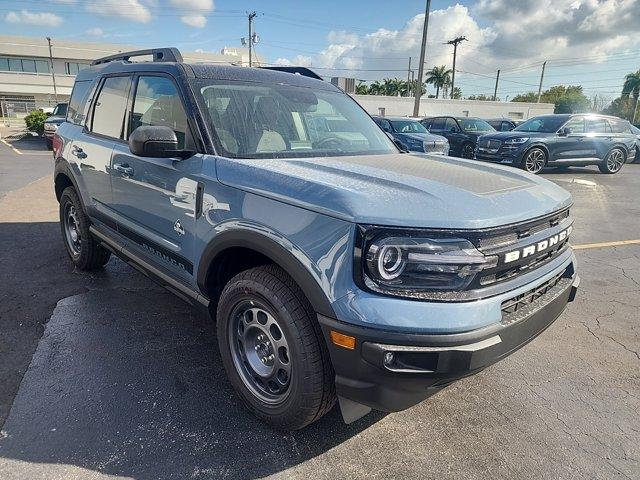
(276, 247)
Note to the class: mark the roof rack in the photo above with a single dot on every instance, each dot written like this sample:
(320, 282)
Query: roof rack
(304, 71)
(159, 55)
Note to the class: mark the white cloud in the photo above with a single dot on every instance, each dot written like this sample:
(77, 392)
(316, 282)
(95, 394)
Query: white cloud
(132, 10)
(196, 11)
(95, 32)
(197, 21)
(42, 19)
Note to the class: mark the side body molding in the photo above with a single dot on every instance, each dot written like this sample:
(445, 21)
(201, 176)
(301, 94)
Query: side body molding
(278, 249)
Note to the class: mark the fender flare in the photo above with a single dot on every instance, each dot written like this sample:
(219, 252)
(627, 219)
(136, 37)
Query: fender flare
(280, 252)
(63, 167)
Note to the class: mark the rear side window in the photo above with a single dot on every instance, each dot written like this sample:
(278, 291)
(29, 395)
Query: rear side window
(77, 103)
(157, 103)
(450, 125)
(619, 126)
(576, 125)
(110, 107)
(598, 125)
(437, 124)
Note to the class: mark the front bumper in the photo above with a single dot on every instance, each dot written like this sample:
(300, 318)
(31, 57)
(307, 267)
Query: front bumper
(392, 371)
(505, 154)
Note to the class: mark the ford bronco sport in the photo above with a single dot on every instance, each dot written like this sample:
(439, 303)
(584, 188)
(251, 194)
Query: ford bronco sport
(336, 266)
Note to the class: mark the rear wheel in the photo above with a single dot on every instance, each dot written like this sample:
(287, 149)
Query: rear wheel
(467, 151)
(273, 350)
(613, 162)
(534, 160)
(83, 250)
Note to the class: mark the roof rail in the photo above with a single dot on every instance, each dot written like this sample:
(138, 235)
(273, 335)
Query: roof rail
(159, 55)
(304, 71)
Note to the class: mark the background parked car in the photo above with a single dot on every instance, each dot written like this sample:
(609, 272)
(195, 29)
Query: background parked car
(561, 141)
(636, 131)
(412, 135)
(462, 132)
(52, 123)
(503, 124)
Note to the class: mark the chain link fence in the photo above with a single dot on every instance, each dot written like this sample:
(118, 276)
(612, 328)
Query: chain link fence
(13, 111)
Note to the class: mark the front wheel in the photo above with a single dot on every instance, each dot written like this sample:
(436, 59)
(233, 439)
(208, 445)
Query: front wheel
(273, 350)
(467, 151)
(613, 162)
(534, 160)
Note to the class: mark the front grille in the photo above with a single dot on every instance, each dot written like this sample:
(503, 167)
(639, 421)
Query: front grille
(523, 305)
(430, 147)
(492, 144)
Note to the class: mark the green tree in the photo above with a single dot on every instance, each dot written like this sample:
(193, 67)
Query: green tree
(619, 107)
(631, 88)
(35, 121)
(439, 77)
(567, 99)
(457, 93)
(482, 97)
(362, 89)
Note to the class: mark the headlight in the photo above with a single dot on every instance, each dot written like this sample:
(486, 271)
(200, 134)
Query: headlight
(413, 265)
(516, 141)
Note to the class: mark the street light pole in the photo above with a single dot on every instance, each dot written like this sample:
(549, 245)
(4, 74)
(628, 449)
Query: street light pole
(455, 43)
(252, 15)
(418, 85)
(544, 65)
(495, 92)
(53, 74)
(409, 79)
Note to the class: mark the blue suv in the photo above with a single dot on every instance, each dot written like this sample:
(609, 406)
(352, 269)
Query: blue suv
(562, 141)
(409, 134)
(336, 266)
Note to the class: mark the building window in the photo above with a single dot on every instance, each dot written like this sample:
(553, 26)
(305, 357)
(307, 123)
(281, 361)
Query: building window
(8, 64)
(72, 68)
(516, 115)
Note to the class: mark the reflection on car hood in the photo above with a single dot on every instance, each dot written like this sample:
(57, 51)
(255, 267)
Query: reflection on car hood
(515, 134)
(421, 137)
(411, 190)
(53, 119)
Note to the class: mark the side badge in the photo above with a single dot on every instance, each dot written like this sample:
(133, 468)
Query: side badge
(178, 227)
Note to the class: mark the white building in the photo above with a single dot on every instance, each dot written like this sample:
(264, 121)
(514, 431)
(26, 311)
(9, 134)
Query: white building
(26, 79)
(429, 107)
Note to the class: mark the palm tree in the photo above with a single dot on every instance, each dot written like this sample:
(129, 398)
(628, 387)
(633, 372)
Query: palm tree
(439, 77)
(362, 89)
(376, 88)
(630, 88)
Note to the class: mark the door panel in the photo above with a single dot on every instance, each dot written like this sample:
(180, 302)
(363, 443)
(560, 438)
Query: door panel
(572, 146)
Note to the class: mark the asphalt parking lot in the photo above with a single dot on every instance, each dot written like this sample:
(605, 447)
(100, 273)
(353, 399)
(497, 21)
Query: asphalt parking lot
(105, 375)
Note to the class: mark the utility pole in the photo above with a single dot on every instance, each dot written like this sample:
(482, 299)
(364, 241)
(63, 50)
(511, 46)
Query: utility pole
(455, 43)
(418, 85)
(53, 74)
(495, 92)
(252, 15)
(409, 79)
(544, 65)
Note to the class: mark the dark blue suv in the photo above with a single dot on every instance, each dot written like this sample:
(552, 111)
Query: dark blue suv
(462, 132)
(561, 141)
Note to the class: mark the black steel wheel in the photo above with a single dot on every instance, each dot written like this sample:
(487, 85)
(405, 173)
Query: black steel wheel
(468, 151)
(273, 350)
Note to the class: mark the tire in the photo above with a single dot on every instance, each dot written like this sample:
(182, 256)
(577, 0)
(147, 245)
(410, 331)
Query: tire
(613, 162)
(637, 158)
(467, 151)
(84, 251)
(266, 326)
(534, 160)
(49, 144)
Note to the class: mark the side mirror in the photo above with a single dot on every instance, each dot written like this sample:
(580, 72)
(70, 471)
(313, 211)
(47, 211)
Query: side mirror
(156, 141)
(564, 132)
(454, 130)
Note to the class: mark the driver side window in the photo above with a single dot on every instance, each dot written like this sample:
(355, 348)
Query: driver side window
(576, 125)
(157, 103)
(451, 125)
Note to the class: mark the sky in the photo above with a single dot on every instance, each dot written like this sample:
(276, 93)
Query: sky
(589, 42)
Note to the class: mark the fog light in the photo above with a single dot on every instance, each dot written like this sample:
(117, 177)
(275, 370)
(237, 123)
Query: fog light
(388, 358)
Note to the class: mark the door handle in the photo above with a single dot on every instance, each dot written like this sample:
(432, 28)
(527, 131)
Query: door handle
(123, 168)
(78, 152)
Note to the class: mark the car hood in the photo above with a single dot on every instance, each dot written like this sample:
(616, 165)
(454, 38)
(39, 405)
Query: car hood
(507, 135)
(421, 137)
(411, 190)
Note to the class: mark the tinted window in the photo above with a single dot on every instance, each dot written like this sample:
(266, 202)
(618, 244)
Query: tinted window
(110, 107)
(264, 120)
(4, 64)
(619, 126)
(543, 124)
(408, 126)
(386, 126)
(60, 110)
(15, 64)
(576, 125)
(42, 66)
(28, 66)
(450, 125)
(438, 123)
(598, 125)
(506, 127)
(77, 103)
(426, 123)
(158, 103)
(475, 125)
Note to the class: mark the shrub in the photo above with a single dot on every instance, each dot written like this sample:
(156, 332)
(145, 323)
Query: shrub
(35, 121)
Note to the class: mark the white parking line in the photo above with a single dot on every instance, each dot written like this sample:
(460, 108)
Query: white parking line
(11, 147)
(586, 246)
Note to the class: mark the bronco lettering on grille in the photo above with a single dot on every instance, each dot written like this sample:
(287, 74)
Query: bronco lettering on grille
(537, 247)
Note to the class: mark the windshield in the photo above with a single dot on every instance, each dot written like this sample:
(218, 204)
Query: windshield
(475, 125)
(257, 120)
(60, 110)
(408, 126)
(541, 124)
